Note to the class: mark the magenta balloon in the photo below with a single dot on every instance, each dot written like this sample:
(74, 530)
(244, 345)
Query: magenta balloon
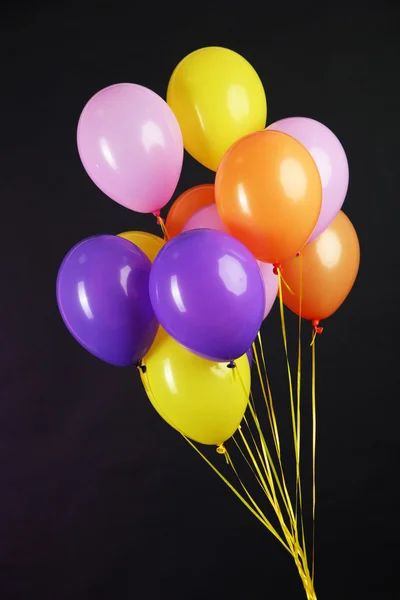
(208, 218)
(207, 292)
(130, 144)
(330, 158)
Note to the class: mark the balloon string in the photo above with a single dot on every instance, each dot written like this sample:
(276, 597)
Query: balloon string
(317, 330)
(274, 427)
(269, 491)
(265, 474)
(295, 423)
(298, 553)
(289, 372)
(256, 511)
(277, 270)
(314, 444)
(269, 469)
(299, 501)
(161, 223)
(267, 398)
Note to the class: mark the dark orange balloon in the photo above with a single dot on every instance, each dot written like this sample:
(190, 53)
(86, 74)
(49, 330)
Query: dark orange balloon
(329, 266)
(186, 205)
(269, 193)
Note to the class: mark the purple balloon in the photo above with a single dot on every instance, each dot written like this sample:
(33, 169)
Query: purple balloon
(103, 298)
(208, 294)
(330, 158)
(208, 218)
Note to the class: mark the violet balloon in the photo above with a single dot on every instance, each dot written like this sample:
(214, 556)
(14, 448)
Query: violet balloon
(131, 146)
(103, 298)
(330, 158)
(209, 218)
(207, 292)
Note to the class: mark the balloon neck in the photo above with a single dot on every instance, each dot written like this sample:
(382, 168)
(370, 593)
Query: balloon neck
(231, 365)
(141, 367)
(156, 213)
(315, 324)
(221, 449)
(277, 268)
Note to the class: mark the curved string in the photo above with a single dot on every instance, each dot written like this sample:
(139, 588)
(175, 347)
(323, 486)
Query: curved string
(161, 223)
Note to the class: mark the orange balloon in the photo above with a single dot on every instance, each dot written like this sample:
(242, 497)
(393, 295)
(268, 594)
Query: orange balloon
(269, 193)
(186, 205)
(329, 265)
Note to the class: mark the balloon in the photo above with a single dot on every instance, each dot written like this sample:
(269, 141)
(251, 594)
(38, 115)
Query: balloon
(131, 146)
(205, 218)
(207, 292)
(150, 244)
(218, 98)
(203, 400)
(209, 218)
(186, 205)
(268, 193)
(103, 298)
(330, 267)
(330, 158)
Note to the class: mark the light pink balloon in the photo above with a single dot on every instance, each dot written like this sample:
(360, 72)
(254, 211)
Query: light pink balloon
(330, 158)
(131, 146)
(208, 218)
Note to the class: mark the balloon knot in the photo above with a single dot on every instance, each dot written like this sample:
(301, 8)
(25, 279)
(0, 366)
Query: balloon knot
(315, 324)
(277, 268)
(297, 254)
(156, 213)
(141, 367)
(231, 365)
(221, 449)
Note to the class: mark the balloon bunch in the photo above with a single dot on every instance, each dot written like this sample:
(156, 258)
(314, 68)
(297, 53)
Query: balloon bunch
(187, 308)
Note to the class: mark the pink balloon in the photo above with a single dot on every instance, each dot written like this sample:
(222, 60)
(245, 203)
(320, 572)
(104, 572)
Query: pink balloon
(130, 144)
(270, 285)
(330, 158)
(208, 218)
(205, 218)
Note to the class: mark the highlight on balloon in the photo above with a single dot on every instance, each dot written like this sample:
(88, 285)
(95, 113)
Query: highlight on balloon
(186, 307)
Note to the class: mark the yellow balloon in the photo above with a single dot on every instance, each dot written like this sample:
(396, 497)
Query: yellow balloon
(149, 243)
(218, 98)
(202, 399)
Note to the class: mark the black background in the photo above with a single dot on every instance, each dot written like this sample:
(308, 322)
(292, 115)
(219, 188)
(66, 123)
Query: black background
(99, 498)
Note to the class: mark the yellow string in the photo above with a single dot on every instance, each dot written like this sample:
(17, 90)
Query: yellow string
(268, 461)
(299, 379)
(256, 512)
(272, 498)
(273, 423)
(295, 425)
(282, 314)
(285, 283)
(313, 338)
(298, 390)
(298, 553)
(314, 440)
(267, 398)
(247, 461)
(161, 222)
